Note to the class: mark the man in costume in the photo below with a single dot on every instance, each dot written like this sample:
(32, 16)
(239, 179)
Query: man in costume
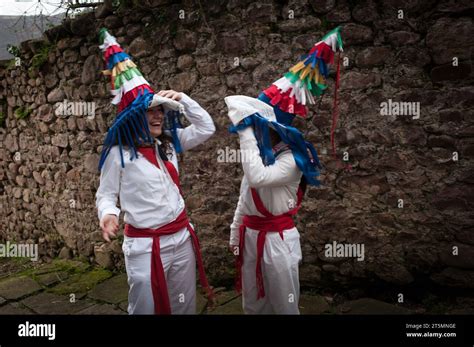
(139, 166)
(277, 165)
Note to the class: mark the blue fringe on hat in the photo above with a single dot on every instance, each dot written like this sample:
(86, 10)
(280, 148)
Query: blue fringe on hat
(313, 59)
(172, 123)
(117, 58)
(129, 126)
(305, 154)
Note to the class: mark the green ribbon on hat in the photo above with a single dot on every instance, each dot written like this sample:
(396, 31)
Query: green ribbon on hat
(102, 32)
(338, 35)
(126, 75)
(314, 88)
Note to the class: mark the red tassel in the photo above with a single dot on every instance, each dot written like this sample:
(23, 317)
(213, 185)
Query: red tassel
(335, 114)
(335, 110)
(260, 246)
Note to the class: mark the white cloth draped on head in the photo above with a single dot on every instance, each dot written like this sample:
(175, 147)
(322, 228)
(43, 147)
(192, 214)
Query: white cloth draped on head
(167, 103)
(241, 106)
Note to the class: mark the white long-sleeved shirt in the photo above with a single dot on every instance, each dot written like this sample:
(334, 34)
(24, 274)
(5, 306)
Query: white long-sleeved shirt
(277, 184)
(148, 197)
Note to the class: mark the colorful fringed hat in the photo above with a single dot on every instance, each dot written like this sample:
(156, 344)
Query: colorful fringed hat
(133, 95)
(277, 106)
(290, 95)
(126, 80)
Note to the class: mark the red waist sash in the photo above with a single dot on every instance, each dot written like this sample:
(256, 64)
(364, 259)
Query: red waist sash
(263, 225)
(158, 278)
(268, 223)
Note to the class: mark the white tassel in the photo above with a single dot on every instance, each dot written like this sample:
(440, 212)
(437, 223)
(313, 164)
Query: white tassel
(283, 84)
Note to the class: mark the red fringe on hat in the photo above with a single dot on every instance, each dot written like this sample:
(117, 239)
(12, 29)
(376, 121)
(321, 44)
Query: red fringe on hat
(284, 101)
(112, 50)
(130, 96)
(325, 52)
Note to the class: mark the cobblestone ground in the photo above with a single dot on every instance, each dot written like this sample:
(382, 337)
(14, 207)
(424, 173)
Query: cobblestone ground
(74, 287)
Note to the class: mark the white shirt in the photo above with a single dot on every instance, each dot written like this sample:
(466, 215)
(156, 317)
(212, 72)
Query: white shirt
(148, 197)
(277, 184)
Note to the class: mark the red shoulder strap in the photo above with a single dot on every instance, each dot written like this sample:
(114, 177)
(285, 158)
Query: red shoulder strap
(150, 154)
(174, 174)
(259, 203)
(263, 210)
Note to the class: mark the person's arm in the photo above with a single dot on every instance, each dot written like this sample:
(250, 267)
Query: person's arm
(107, 194)
(234, 227)
(282, 172)
(201, 128)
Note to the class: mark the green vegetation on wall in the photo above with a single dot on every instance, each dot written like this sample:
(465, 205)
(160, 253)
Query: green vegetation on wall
(22, 112)
(41, 56)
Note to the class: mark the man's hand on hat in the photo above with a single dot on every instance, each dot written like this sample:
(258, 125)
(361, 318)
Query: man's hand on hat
(171, 94)
(109, 225)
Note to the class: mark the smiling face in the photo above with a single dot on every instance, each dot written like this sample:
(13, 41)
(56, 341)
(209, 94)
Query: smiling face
(155, 120)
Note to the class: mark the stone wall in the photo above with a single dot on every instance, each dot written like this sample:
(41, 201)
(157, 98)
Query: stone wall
(48, 170)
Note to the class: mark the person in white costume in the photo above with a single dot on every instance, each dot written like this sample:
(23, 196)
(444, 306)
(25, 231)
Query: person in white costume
(278, 163)
(141, 170)
(276, 187)
(150, 199)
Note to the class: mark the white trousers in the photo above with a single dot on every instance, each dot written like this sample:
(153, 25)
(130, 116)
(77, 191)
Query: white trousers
(179, 265)
(280, 263)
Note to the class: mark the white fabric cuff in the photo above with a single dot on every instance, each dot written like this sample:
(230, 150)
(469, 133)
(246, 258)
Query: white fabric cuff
(109, 210)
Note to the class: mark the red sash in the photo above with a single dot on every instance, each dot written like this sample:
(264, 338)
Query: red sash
(158, 278)
(268, 223)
